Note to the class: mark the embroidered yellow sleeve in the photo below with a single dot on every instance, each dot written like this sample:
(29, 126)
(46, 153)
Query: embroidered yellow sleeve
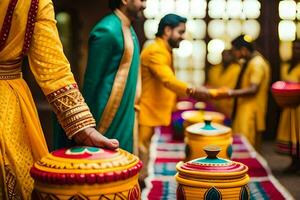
(72, 112)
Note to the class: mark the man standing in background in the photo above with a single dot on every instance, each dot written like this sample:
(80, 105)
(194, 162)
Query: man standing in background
(160, 87)
(112, 71)
(250, 93)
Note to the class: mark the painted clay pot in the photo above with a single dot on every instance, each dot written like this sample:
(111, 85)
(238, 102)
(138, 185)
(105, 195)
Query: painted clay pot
(200, 135)
(212, 178)
(87, 173)
(286, 94)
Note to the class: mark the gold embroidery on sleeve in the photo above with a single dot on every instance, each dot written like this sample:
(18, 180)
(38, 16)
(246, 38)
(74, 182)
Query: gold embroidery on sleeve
(72, 112)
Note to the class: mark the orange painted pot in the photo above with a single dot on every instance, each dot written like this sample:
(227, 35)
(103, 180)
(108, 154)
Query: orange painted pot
(87, 173)
(199, 135)
(212, 178)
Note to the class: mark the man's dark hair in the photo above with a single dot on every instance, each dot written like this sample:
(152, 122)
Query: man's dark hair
(114, 4)
(295, 60)
(171, 20)
(243, 41)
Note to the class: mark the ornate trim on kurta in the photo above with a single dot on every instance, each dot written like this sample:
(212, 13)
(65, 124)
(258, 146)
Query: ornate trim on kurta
(119, 84)
(7, 23)
(71, 110)
(30, 25)
(13, 192)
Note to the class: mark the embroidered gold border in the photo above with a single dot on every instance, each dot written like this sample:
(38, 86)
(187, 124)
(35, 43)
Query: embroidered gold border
(119, 85)
(72, 112)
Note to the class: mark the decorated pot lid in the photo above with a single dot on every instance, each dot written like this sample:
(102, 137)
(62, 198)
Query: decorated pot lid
(208, 128)
(82, 164)
(211, 167)
(195, 116)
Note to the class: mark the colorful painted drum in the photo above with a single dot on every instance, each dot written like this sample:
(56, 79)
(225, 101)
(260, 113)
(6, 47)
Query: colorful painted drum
(195, 116)
(212, 178)
(87, 173)
(200, 135)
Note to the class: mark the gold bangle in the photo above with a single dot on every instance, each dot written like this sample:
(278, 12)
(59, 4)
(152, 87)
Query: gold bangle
(70, 136)
(78, 121)
(73, 111)
(190, 92)
(78, 126)
(72, 130)
(73, 118)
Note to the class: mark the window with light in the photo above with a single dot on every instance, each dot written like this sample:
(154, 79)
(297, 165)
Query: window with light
(211, 26)
(288, 27)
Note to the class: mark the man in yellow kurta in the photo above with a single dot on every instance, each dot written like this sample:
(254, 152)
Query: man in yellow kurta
(28, 28)
(288, 133)
(250, 92)
(159, 84)
(224, 75)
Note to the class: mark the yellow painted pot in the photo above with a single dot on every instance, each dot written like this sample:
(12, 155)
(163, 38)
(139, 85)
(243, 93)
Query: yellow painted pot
(87, 173)
(212, 178)
(200, 135)
(195, 116)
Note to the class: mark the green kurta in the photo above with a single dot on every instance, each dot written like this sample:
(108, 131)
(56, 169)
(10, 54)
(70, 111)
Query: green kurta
(106, 47)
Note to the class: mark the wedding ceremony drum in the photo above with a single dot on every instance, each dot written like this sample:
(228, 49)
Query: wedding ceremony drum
(87, 173)
(211, 177)
(195, 116)
(206, 133)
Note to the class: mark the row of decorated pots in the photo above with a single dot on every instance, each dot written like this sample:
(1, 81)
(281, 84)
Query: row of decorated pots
(204, 175)
(95, 173)
(210, 132)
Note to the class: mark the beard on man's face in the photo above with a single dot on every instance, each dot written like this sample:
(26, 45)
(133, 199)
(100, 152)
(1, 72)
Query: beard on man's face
(174, 43)
(136, 14)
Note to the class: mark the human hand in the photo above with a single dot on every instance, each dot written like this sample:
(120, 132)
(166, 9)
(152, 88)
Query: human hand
(91, 137)
(220, 93)
(201, 93)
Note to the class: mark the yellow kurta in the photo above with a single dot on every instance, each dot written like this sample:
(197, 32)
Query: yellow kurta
(288, 134)
(21, 137)
(158, 96)
(251, 111)
(214, 75)
(160, 87)
(220, 77)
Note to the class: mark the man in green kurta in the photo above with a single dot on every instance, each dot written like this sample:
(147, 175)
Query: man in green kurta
(112, 70)
(111, 75)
